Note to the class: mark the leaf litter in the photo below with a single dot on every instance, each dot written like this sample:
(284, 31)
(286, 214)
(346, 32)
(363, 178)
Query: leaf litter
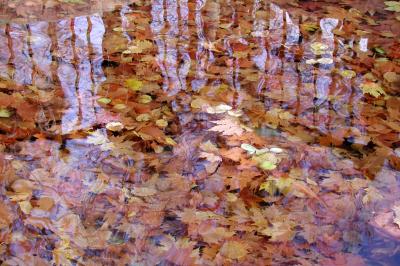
(256, 134)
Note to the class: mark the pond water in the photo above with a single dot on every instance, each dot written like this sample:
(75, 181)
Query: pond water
(210, 132)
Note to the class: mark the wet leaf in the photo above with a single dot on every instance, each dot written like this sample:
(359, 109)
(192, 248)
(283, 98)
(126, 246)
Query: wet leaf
(104, 100)
(145, 99)
(144, 191)
(249, 148)
(319, 48)
(4, 113)
(115, 126)
(393, 6)
(348, 74)
(233, 250)
(134, 84)
(161, 123)
(391, 77)
(373, 89)
(25, 206)
(267, 165)
(227, 126)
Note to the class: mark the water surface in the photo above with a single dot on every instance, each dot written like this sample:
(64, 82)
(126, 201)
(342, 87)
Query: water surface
(199, 133)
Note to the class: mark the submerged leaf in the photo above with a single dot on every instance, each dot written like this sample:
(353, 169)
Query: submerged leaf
(233, 250)
(227, 126)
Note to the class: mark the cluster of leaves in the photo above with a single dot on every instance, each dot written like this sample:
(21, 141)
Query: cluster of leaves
(264, 164)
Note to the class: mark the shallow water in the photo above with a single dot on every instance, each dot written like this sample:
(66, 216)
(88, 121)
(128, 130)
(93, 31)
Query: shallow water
(199, 133)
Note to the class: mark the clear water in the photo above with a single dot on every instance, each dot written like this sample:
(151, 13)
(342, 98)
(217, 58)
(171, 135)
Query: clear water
(199, 133)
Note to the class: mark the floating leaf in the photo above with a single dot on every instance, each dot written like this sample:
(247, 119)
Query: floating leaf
(267, 165)
(99, 137)
(161, 123)
(145, 99)
(310, 27)
(170, 141)
(227, 126)
(134, 84)
(319, 48)
(235, 113)
(276, 150)
(379, 50)
(198, 103)
(143, 118)
(347, 73)
(219, 109)
(25, 206)
(249, 148)
(115, 126)
(373, 89)
(104, 100)
(391, 77)
(120, 106)
(392, 6)
(4, 113)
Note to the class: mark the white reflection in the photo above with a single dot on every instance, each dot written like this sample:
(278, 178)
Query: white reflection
(363, 44)
(40, 44)
(290, 76)
(173, 58)
(4, 53)
(81, 81)
(22, 62)
(67, 75)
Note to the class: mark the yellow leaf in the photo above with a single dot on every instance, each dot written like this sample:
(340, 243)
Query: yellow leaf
(319, 48)
(198, 103)
(373, 89)
(134, 84)
(4, 113)
(348, 73)
(104, 100)
(161, 123)
(25, 206)
(143, 117)
(120, 106)
(170, 141)
(145, 99)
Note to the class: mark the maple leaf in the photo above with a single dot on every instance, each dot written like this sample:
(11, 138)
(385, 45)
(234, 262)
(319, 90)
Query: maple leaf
(227, 126)
(99, 137)
(233, 250)
(373, 89)
(280, 231)
(210, 157)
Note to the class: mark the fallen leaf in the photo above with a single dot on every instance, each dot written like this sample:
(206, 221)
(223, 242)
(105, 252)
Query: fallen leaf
(233, 250)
